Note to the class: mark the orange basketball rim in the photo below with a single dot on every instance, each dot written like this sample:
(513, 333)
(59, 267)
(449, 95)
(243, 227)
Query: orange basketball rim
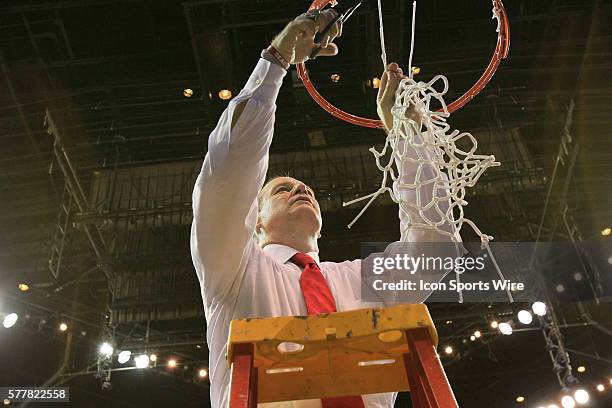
(500, 52)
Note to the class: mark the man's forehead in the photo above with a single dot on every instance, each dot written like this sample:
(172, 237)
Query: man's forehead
(277, 181)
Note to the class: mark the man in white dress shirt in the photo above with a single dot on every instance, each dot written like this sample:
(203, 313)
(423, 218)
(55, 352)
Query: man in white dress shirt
(243, 237)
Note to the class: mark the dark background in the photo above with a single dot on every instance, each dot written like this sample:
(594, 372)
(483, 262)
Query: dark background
(111, 75)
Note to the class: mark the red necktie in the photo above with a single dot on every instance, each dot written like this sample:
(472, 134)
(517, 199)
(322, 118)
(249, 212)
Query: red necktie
(319, 299)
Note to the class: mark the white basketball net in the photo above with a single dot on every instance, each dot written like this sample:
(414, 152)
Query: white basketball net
(444, 170)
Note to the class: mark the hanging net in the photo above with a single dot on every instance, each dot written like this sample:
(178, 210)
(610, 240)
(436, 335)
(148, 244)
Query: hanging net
(443, 163)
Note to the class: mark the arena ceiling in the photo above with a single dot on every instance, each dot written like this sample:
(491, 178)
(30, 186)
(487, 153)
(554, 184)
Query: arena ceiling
(110, 76)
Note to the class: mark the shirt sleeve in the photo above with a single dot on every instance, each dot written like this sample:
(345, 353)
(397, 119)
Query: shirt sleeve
(234, 170)
(421, 196)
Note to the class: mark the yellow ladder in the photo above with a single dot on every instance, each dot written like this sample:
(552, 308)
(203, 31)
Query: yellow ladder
(356, 352)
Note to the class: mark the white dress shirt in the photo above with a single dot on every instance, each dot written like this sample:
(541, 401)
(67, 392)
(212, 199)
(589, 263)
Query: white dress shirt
(239, 279)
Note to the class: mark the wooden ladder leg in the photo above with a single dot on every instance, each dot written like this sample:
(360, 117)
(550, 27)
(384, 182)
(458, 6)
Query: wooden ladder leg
(243, 382)
(435, 384)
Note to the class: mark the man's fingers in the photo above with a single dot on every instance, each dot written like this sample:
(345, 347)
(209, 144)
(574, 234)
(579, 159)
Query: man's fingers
(330, 50)
(390, 88)
(382, 86)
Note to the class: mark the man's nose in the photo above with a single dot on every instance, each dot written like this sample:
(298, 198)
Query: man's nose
(301, 188)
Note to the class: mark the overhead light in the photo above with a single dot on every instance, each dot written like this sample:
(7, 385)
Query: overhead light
(553, 406)
(449, 322)
(142, 361)
(568, 402)
(225, 94)
(581, 396)
(124, 356)
(606, 231)
(375, 83)
(187, 92)
(581, 369)
(172, 363)
(63, 327)
(472, 337)
(203, 373)
(577, 276)
(525, 317)
(520, 399)
(448, 350)
(24, 287)
(600, 387)
(416, 70)
(477, 334)
(7, 402)
(505, 328)
(560, 288)
(539, 308)
(335, 77)
(153, 357)
(494, 324)
(10, 320)
(106, 350)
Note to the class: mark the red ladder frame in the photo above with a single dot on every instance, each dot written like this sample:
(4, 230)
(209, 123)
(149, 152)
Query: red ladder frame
(429, 387)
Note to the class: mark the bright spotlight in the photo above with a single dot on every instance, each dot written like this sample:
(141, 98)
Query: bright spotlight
(520, 399)
(202, 373)
(606, 231)
(63, 327)
(525, 317)
(187, 92)
(376, 83)
(448, 350)
(581, 369)
(106, 350)
(172, 363)
(600, 387)
(473, 338)
(124, 356)
(24, 287)
(539, 308)
(505, 328)
(7, 402)
(153, 357)
(142, 361)
(477, 334)
(568, 402)
(225, 94)
(553, 406)
(10, 320)
(581, 396)
(335, 77)
(494, 324)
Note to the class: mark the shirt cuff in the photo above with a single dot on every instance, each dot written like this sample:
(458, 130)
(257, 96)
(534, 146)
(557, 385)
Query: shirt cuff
(266, 80)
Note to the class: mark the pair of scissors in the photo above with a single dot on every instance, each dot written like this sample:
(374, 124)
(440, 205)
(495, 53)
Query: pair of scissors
(342, 17)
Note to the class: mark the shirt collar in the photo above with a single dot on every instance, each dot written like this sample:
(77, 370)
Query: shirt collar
(283, 253)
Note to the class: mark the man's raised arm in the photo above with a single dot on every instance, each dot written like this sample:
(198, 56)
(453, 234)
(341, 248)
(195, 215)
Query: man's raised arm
(234, 169)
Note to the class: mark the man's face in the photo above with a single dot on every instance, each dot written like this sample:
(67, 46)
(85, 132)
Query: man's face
(288, 204)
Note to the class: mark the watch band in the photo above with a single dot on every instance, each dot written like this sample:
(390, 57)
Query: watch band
(276, 57)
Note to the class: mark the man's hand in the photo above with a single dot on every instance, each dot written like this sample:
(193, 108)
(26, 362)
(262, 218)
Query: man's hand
(386, 94)
(296, 42)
